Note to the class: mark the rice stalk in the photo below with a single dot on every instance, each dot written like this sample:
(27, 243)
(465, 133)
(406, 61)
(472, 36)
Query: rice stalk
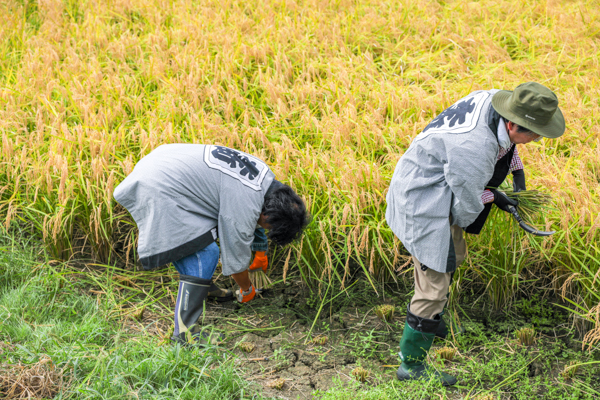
(331, 113)
(260, 280)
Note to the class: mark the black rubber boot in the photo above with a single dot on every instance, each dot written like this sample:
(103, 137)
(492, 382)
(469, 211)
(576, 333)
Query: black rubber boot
(189, 307)
(416, 341)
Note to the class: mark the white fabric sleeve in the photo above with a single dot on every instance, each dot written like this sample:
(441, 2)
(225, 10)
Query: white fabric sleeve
(235, 238)
(467, 172)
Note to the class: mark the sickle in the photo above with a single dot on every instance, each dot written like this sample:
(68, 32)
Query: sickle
(526, 227)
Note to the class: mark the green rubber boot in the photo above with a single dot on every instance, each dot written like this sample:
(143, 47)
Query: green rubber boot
(416, 341)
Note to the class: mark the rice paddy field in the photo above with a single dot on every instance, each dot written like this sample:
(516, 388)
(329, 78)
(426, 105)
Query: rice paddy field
(330, 94)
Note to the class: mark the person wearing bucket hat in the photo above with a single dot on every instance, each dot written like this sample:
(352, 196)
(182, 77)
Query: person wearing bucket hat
(532, 106)
(444, 184)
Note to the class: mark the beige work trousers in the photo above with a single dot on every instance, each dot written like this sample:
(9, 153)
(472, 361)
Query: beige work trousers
(431, 287)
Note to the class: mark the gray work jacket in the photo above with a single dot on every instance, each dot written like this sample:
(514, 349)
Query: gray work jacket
(182, 196)
(440, 179)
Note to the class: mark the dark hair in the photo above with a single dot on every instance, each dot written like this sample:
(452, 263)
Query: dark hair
(522, 129)
(286, 214)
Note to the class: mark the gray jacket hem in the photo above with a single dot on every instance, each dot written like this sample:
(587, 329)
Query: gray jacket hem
(179, 252)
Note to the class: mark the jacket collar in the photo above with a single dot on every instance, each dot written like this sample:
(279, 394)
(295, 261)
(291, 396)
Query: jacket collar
(274, 186)
(496, 125)
(503, 138)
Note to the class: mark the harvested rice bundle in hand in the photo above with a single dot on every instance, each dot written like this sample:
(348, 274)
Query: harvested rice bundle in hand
(258, 270)
(260, 280)
(531, 202)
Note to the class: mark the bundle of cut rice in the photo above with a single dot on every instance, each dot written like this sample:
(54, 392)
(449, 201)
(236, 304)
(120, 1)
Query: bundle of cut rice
(531, 202)
(259, 279)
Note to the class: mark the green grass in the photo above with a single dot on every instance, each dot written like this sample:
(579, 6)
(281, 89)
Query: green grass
(52, 311)
(42, 317)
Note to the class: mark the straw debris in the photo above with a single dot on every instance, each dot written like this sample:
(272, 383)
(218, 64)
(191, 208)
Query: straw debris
(246, 347)
(276, 383)
(446, 353)
(570, 370)
(38, 381)
(385, 312)
(320, 340)
(526, 336)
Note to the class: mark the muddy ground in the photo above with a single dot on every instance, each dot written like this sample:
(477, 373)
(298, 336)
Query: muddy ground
(286, 345)
(293, 346)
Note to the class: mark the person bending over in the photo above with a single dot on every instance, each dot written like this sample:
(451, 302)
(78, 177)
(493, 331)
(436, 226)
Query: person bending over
(185, 196)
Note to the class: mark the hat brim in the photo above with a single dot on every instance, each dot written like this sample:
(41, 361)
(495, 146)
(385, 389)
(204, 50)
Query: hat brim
(553, 129)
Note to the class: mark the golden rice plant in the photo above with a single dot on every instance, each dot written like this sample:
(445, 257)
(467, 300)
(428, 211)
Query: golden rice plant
(331, 113)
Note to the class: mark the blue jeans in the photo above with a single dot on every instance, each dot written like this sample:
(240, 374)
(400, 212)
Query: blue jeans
(201, 264)
(260, 240)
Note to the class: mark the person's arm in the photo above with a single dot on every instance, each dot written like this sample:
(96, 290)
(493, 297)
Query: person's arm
(235, 237)
(260, 247)
(502, 201)
(243, 280)
(487, 196)
(467, 172)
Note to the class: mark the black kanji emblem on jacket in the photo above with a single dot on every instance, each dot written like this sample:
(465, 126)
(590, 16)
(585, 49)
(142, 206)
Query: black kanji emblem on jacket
(456, 114)
(236, 160)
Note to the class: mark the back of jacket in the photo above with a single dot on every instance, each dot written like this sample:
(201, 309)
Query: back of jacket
(181, 195)
(443, 174)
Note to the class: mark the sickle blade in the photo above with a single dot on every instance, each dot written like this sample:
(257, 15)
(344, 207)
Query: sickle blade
(526, 227)
(533, 231)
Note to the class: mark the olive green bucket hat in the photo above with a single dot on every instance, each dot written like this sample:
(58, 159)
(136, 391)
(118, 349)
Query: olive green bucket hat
(533, 106)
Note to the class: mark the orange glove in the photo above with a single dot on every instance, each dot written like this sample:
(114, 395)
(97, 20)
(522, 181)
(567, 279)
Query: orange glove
(244, 297)
(260, 261)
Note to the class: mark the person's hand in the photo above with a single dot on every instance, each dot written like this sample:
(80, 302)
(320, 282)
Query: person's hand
(248, 295)
(260, 261)
(519, 180)
(502, 201)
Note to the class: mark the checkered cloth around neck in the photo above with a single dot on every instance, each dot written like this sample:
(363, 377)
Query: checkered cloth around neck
(515, 164)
